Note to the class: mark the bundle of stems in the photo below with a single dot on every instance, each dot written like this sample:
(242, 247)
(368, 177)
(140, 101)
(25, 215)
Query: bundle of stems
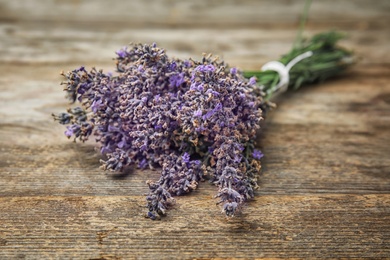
(327, 61)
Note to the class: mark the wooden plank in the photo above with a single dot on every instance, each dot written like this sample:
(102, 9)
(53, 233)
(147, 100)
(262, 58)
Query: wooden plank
(117, 14)
(91, 46)
(110, 227)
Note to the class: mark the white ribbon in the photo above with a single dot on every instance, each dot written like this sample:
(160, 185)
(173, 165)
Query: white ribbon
(283, 70)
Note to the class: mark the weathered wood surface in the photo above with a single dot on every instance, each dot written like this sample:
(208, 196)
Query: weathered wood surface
(325, 186)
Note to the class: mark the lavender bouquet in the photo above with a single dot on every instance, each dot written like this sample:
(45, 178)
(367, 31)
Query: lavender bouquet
(194, 120)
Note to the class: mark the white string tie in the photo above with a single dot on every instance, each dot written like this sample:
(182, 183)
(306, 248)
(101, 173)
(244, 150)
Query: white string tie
(283, 70)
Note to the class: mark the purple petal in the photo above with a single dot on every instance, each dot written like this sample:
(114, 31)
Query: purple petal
(257, 154)
(198, 113)
(122, 52)
(96, 105)
(186, 158)
(68, 132)
(252, 81)
(143, 164)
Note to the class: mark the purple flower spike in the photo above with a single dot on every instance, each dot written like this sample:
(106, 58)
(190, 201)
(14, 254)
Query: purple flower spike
(257, 154)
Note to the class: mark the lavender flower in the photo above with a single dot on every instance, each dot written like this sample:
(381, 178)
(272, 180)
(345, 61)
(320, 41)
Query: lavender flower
(252, 81)
(232, 199)
(233, 71)
(179, 176)
(122, 53)
(163, 112)
(176, 79)
(257, 154)
(72, 130)
(186, 158)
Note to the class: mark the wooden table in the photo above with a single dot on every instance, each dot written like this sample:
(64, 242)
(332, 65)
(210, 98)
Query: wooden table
(325, 185)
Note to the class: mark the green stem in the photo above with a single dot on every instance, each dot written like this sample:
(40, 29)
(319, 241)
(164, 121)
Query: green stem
(298, 39)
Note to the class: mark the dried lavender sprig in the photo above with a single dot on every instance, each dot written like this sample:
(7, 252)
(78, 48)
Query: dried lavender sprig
(180, 175)
(328, 60)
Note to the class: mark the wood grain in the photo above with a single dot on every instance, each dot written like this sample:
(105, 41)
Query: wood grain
(325, 184)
